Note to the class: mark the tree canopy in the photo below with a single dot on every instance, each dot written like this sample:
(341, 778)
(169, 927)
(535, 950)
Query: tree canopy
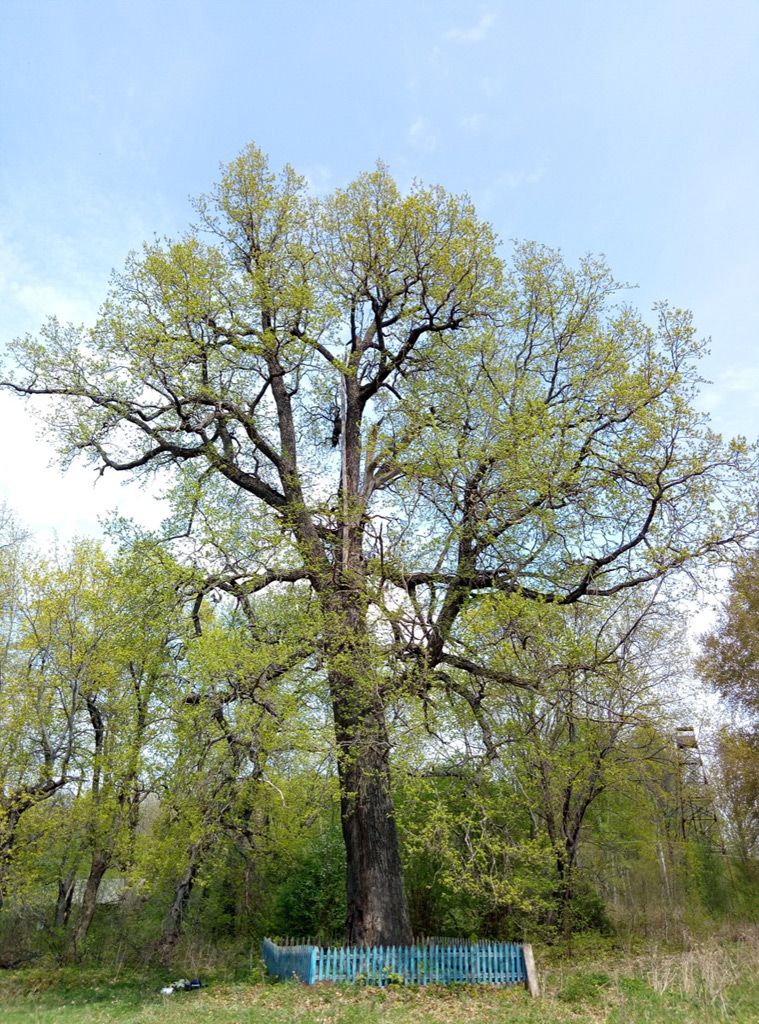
(373, 414)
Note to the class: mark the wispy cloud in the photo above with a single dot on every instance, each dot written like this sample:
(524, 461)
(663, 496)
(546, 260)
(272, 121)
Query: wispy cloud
(319, 179)
(421, 135)
(474, 33)
(28, 299)
(745, 378)
(508, 181)
(511, 180)
(472, 122)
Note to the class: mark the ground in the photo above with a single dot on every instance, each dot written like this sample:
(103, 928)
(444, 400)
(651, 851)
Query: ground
(714, 980)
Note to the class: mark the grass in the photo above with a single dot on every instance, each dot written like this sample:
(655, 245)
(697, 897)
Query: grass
(714, 981)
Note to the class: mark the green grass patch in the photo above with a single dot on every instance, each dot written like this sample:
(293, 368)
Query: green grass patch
(711, 984)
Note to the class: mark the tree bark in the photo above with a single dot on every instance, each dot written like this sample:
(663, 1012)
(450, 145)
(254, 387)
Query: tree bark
(376, 900)
(66, 888)
(100, 861)
(172, 928)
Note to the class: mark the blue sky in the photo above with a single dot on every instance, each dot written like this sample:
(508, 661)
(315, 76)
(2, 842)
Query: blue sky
(627, 128)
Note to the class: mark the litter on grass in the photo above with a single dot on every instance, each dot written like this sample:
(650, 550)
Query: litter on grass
(183, 985)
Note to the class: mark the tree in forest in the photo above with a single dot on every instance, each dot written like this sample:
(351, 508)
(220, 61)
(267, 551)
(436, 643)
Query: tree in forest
(361, 402)
(230, 726)
(39, 699)
(730, 652)
(534, 759)
(737, 779)
(89, 656)
(729, 661)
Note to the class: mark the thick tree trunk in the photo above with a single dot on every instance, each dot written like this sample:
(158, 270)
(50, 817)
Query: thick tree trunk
(377, 908)
(172, 928)
(100, 861)
(376, 900)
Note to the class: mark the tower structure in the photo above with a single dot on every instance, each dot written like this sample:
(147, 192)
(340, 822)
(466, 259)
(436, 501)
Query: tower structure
(695, 798)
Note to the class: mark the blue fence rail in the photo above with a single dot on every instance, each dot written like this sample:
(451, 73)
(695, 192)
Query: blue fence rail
(434, 963)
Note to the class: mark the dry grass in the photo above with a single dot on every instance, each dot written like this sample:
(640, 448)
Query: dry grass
(711, 982)
(707, 971)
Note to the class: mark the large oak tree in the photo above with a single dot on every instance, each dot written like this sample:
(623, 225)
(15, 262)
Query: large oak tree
(398, 420)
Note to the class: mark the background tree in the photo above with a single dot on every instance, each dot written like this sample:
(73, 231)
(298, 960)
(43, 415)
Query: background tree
(40, 700)
(406, 425)
(737, 778)
(730, 654)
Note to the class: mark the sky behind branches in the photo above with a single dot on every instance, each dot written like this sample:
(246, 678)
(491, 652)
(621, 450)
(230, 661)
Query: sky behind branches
(615, 127)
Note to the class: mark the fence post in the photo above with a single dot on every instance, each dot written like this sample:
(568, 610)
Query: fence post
(532, 974)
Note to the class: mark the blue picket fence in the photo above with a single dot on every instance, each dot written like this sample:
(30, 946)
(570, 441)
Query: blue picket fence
(289, 961)
(435, 963)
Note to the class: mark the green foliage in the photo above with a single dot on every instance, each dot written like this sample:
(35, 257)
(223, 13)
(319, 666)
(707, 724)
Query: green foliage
(310, 899)
(429, 505)
(584, 988)
(730, 654)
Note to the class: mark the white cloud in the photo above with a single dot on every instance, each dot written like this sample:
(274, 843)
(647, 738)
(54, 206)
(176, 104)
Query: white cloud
(472, 122)
(518, 179)
(319, 179)
(508, 181)
(421, 135)
(56, 505)
(740, 379)
(474, 33)
(490, 87)
(28, 299)
(730, 386)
